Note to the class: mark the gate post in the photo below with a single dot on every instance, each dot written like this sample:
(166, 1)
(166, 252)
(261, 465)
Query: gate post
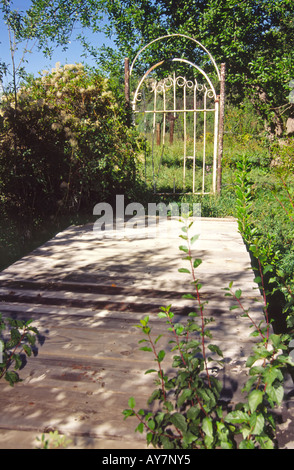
(221, 127)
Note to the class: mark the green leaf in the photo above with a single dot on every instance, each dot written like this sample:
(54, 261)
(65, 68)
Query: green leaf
(197, 263)
(179, 328)
(12, 377)
(265, 442)
(27, 349)
(192, 344)
(207, 426)
(167, 443)
(193, 412)
(179, 421)
(132, 402)
(162, 315)
(276, 340)
(18, 361)
(238, 293)
(246, 444)
(31, 339)
(256, 423)
(254, 399)
(275, 394)
(149, 437)
(140, 427)
(145, 321)
(267, 268)
(271, 374)
(237, 417)
(234, 307)
(157, 339)
(151, 424)
(146, 348)
(161, 355)
(184, 248)
(194, 238)
(169, 405)
(251, 360)
(215, 349)
(128, 413)
(187, 258)
(154, 396)
(150, 371)
(188, 438)
(184, 270)
(186, 394)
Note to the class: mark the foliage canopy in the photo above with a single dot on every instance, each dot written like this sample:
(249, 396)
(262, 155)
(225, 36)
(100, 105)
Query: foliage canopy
(64, 143)
(253, 38)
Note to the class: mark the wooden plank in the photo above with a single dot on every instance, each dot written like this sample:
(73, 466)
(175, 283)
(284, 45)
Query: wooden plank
(86, 295)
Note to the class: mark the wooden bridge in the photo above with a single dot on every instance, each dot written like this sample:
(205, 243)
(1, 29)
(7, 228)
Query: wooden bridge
(85, 294)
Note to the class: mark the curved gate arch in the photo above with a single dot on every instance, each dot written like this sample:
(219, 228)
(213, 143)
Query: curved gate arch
(188, 106)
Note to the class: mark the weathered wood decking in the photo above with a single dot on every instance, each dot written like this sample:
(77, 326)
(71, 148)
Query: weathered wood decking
(85, 295)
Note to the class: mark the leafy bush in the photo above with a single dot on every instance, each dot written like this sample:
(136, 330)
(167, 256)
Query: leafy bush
(17, 340)
(190, 412)
(266, 208)
(64, 143)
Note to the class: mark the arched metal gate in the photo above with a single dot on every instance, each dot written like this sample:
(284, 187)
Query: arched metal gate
(178, 107)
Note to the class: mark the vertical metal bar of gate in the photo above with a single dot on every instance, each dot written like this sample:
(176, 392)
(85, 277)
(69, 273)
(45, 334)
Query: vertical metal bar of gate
(145, 129)
(175, 107)
(164, 116)
(194, 131)
(221, 127)
(185, 133)
(216, 113)
(204, 141)
(153, 137)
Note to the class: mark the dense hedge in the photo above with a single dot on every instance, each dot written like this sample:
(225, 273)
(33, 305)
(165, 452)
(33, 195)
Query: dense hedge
(271, 216)
(64, 144)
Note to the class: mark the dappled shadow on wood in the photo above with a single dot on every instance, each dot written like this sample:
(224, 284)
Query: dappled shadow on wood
(85, 296)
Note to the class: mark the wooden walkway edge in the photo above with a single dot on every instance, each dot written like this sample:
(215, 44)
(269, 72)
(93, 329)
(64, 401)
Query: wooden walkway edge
(85, 294)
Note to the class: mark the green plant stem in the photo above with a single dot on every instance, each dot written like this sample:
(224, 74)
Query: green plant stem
(159, 366)
(185, 364)
(264, 298)
(177, 340)
(247, 314)
(201, 310)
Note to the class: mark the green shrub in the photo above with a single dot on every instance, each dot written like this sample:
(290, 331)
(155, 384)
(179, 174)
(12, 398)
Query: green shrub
(17, 341)
(186, 410)
(269, 209)
(64, 143)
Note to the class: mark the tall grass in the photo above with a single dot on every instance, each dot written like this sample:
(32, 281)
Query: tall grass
(243, 135)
